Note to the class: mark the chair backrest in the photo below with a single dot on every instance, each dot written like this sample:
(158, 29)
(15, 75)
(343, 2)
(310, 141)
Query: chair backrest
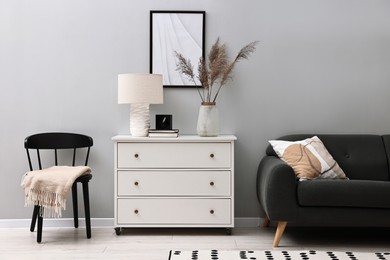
(55, 141)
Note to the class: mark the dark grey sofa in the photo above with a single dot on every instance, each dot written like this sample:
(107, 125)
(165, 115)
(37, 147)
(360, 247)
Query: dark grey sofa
(363, 200)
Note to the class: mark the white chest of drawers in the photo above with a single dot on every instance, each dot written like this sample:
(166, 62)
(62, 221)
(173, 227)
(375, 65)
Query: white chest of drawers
(174, 182)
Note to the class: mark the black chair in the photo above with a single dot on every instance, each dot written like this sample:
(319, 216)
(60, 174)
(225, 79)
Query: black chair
(55, 142)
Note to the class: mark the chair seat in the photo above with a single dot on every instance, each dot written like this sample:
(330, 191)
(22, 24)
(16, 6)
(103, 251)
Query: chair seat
(84, 178)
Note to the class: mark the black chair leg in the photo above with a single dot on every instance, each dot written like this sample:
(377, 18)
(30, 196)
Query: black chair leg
(75, 206)
(34, 218)
(86, 209)
(40, 223)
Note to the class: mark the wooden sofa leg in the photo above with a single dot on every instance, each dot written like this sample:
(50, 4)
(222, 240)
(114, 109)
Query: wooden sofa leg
(266, 222)
(279, 232)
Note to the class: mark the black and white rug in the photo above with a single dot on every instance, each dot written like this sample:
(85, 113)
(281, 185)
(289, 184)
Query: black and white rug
(275, 255)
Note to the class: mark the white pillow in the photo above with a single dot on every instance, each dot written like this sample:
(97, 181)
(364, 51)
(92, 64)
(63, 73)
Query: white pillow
(309, 158)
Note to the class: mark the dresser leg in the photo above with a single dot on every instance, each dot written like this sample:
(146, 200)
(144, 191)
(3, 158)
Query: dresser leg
(118, 231)
(229, 231)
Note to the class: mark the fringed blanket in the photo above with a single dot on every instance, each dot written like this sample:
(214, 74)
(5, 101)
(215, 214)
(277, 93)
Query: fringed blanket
(49, 187)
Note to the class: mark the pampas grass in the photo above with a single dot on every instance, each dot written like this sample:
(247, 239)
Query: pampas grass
(215, 71)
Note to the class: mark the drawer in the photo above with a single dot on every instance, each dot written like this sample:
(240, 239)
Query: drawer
(174, 155)
(173, 211)
(174, 183)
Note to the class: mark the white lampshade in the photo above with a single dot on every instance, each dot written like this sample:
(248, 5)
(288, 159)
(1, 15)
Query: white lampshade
(140, 88)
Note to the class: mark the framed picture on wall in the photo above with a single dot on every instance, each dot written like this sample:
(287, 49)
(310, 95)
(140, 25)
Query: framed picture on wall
(176, 31)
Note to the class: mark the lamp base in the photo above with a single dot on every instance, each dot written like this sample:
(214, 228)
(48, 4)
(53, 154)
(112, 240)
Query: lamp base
(139, 119)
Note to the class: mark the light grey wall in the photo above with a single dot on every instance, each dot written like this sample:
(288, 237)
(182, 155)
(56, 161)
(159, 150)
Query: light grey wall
(323, 66)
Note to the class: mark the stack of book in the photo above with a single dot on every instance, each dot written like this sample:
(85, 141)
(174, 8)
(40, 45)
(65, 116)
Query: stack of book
(163, 133)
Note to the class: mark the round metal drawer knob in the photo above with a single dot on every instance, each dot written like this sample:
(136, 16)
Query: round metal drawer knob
(136, 183)
(136, 211)
(136, 155)
(212, 183)
(212, 155)
(212, 211)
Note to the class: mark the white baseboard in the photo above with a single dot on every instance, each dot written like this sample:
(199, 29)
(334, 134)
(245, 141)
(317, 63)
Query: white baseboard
(246, 222)
(100, 222)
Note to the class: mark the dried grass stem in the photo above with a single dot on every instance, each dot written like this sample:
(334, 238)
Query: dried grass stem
(217, 70)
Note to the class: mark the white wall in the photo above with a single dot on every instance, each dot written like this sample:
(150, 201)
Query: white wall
(322, 67)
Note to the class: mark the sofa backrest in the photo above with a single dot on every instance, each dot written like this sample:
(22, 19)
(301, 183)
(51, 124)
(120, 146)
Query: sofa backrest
(362, 157)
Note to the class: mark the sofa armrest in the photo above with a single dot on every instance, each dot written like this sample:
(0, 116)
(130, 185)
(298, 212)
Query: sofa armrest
(277, 189)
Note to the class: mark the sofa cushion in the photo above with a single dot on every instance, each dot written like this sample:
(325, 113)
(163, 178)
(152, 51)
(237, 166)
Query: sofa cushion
(339, 193)
(309, 158)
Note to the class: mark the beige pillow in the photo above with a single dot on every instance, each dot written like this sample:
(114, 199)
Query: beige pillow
(309, 158)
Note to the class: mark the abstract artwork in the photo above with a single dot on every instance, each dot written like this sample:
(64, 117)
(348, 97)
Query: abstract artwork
(175, 31)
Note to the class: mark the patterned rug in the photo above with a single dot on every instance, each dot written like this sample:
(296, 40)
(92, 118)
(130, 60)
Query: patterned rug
(275, 255)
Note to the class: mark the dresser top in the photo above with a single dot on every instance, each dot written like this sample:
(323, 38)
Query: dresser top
(180, 138)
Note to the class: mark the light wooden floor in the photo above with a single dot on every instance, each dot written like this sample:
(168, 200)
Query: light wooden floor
(154, 244)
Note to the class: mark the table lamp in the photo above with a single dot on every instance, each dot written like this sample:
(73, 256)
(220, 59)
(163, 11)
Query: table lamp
(140, 90)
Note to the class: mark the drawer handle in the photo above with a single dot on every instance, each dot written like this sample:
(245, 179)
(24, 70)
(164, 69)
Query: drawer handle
(136, 211)
(211, 155)
(136, 155)
(212, 211)
(212, 183)
(136, 183)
